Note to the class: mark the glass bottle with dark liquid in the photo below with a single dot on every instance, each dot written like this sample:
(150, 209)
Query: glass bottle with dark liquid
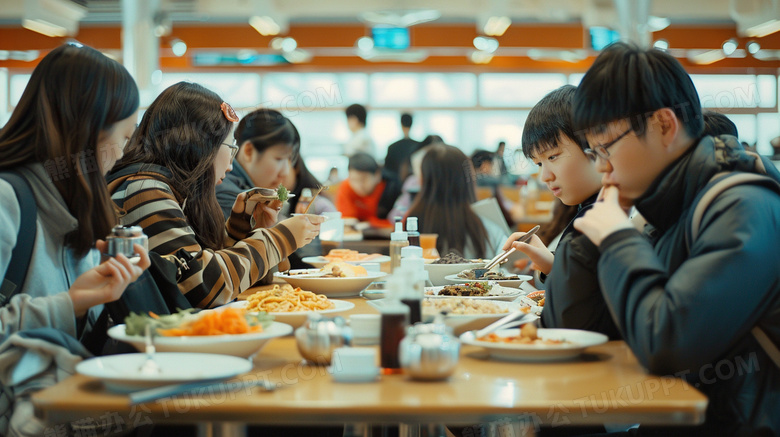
(394, 319)
(411, 231)
(413, 268)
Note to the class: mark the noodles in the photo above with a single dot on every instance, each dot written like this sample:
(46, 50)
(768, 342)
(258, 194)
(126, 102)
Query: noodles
(285, 299)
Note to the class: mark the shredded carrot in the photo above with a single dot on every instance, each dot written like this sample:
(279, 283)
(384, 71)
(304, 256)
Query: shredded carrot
(153, 315)
(227, 321)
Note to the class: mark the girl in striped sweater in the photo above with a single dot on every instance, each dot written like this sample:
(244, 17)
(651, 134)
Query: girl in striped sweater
(166, 182)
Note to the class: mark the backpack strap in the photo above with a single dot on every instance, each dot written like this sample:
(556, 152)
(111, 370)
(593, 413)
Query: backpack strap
(15, 275)
(718, 184)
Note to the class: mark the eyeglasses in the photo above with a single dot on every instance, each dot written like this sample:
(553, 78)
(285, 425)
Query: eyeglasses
(601, 150)
(233, 149)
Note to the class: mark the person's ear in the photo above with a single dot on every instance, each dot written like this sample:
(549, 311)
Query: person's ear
(246, 151)
(667, 125)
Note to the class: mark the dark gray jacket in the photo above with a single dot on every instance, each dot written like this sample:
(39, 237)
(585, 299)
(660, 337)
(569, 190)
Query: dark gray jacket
(690, 314)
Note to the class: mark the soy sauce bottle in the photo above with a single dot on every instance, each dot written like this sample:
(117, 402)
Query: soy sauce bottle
(394, 319)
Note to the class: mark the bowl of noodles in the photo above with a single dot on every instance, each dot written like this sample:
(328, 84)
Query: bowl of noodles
(291, 305)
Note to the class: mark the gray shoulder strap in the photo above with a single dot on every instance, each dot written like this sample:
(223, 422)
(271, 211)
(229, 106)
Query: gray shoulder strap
(769, 346)
(714, 191)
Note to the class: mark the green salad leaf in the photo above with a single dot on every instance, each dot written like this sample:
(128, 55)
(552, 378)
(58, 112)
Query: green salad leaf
(135, 324)
(282, 193)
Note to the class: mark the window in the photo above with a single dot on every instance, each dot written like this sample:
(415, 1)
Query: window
(18, 84)
(241, 90)
(307, 92)
(735, 90)
(518, 90)
(420, 90)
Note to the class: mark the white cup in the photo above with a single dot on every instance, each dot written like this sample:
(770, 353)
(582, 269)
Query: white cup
(353, 360)
(365, 328)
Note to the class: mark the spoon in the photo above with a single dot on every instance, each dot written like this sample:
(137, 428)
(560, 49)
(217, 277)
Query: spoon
(149, 366)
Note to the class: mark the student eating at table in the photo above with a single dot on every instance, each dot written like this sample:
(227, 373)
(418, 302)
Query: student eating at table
(443, 205)
(166, 183)
(63, 283)
(691, 299)
(368, 193)
(550, 141)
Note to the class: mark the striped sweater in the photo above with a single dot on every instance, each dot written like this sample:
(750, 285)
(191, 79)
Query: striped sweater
(147, 200)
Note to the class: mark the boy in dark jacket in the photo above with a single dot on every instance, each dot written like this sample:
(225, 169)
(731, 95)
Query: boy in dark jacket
(685, 307)
(550, 142)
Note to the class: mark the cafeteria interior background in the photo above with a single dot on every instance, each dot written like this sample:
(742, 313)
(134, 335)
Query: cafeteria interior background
(469, 70)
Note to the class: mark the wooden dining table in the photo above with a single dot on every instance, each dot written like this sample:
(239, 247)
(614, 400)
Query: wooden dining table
(605, 385)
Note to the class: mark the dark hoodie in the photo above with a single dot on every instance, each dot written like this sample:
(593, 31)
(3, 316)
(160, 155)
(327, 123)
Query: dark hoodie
(689, 313)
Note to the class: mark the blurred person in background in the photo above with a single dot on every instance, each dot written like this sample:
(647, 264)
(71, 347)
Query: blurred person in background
(443, 205)
(398, 159)
(360, 141)
(368, 194)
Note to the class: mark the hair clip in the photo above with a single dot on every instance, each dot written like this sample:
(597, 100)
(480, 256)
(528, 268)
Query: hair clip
(229, 113)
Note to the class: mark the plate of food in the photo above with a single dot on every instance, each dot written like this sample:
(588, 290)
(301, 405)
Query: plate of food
(291, 305)
(225, 331)
(530, 343)
(450, 264)
(503, 279)
(122, 373)
(346, 255)
(474, 290)
(464, 314)
(338, 279)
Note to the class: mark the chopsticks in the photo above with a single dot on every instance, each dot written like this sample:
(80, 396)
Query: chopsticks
(322, 187)
(502, 256)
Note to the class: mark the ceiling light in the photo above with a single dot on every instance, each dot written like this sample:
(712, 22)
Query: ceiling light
(655, 24)
(486, 44)
(365, 43)
(400, 19)
(572, 56)
(480, 57)
(707, 57)
(753, 47)
(297, 56)
(661, 44)
(265, 25)
(729, 46)
(763, 29)
(55, 18)
(496, 25)
(178, 47)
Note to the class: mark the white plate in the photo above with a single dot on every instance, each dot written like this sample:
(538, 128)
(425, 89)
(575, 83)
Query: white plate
(466, 322)
(297, 318)
(503, 282)
(239, 345)
(319, 261)
(437, 272)
(530, 352)
(331, 287)
(496, 293)
(120, 373)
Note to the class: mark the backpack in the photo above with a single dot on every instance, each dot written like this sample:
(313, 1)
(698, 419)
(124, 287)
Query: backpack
(15, 275)
(717, 185)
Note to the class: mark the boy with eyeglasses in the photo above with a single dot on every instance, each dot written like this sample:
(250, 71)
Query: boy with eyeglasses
(681, 303)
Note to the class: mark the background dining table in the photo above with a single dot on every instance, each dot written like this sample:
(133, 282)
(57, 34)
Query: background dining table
(605, 385)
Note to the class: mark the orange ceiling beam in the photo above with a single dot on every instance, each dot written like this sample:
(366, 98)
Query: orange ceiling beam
(236, 36)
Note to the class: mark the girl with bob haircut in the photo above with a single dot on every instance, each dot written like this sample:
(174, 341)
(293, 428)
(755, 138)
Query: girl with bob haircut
(69, 127)
(166, 184)
(267, 143)
(443, 205)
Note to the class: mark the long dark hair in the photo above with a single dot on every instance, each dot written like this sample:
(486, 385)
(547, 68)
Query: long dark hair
(266, 128)
(183, 130)
(443, 205)
(74, 95)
